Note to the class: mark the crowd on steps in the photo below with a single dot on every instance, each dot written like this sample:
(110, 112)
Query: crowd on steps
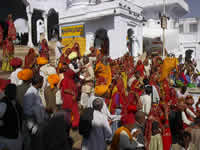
(127, 103)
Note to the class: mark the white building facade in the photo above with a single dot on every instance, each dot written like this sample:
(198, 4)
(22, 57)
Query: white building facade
(152, 30)
(115, 16)
(44, 6)
(189, 36)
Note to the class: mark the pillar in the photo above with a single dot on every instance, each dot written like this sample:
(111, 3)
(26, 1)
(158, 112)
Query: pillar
(89, 40)
(29, 15)
(45, 16)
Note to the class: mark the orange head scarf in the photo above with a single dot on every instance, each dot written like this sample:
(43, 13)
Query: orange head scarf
(25, 75)
(116, 138)
(53, 79)
(42, 61)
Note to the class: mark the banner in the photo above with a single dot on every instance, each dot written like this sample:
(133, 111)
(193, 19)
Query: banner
(72, 34)
(72, 31)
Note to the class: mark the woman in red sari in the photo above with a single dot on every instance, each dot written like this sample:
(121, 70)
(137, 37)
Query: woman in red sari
(69, 94)
(140, 67)
(11, 28)
(8, 53)
(64, 61)
(44, 52)
(132, 105)
(30, 58)
(76, 48)
(166, 133)
(166, 90)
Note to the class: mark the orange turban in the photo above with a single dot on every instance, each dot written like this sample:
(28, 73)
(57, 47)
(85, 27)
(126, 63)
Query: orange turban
(42, 61)
(53, 79)
(25, 75)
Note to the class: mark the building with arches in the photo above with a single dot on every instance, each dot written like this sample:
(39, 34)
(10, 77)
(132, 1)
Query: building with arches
(83, 18)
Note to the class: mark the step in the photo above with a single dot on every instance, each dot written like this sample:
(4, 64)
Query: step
(21, 52)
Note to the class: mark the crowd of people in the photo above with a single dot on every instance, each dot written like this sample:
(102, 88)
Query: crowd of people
(122, 104)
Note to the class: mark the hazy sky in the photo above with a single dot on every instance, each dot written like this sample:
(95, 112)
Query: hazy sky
(194, 8)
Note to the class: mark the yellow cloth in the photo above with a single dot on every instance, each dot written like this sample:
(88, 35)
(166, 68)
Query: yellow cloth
(125, 79)
(104, 71)
(25, 75)
(42, 61)
(53, 79)
(168, 65)
(73, 55)
(6, 63)
(116, 138)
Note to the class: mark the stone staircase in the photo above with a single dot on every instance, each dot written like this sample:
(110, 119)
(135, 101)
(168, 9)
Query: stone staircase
(21, 52)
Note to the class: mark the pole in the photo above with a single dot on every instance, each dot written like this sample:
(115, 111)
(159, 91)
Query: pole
(164, 14)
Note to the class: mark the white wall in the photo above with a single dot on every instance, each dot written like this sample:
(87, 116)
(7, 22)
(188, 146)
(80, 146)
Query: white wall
(190, 40)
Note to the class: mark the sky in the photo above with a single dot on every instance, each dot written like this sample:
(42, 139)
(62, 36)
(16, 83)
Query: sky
(194, 8)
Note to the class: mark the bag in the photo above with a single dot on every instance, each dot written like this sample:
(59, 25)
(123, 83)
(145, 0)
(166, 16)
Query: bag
(85, 124)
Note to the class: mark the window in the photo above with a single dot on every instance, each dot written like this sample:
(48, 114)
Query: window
(193, 27)
(181, 29)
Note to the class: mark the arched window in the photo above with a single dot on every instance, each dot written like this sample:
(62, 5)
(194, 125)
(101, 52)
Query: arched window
(102, 41)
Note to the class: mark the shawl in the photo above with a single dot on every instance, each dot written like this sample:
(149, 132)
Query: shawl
(103, 73)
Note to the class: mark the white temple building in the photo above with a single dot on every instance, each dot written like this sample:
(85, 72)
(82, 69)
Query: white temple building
(115, 16)
(80, 19)
(152, 31)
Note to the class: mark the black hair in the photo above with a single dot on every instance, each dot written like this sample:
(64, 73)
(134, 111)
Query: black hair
(155, 125)
(146, 81)
(148, 89)
(186, 134)
(197, 121)
(183, 89)
(37, 79)
(97, 104)
(11, 91)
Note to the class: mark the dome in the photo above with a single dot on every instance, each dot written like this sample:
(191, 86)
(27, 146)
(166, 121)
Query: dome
(21, 25)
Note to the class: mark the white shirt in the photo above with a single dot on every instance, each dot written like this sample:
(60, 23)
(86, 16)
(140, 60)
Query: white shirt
(146, 103)
(45, 71)
(14, 78)
(33, 106)
(104, 110)
(184, 116)
(57, 52)
(100, 132)
(180, 95)
(156, 97)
